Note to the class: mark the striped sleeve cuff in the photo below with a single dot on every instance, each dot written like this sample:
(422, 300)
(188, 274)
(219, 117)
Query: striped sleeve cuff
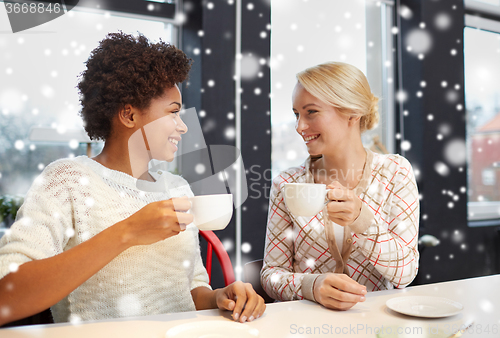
(308, 286)
(364, 220)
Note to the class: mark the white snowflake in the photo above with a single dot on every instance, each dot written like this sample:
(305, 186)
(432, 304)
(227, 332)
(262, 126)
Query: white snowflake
(230, 133)
(69, 232)
(442, 21)
(129, 305)
(13, 267)
(405, 145)
(420, 41)
(246, 247)
(48, 91)
(250, 66)
(401, 96)
(73, 144)
(19, 145)
(4, 311)
(228, 244)
(199, 168)
(405, 12)
(487, 306)
(451, 96)
(291, 155)
(441, 168)
(455, 152)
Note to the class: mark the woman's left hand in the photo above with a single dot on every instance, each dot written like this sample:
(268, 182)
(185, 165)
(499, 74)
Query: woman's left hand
(241, 298)
(344, 206)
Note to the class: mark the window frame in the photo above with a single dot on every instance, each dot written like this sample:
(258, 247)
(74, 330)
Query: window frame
(487, 18)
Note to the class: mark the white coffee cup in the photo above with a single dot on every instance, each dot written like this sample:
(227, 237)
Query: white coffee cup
(305, 199)
(212, 212)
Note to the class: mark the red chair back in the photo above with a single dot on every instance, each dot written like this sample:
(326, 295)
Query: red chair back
(214, 244)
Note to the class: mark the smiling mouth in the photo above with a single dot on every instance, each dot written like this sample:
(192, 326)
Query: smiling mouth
(311, 138)
(174, 141)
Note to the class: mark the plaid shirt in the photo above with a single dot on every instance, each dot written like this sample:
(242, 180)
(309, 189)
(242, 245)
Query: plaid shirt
(379, 248)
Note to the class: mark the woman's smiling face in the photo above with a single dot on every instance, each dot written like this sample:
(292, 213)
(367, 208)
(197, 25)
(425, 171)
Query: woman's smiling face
(163, 126)
(320, 125)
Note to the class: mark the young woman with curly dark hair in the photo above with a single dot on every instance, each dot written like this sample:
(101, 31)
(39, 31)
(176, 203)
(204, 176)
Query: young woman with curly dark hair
(87, 241)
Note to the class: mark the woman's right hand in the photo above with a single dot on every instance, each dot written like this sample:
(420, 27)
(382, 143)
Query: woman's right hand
(157, 221)
(338, 291)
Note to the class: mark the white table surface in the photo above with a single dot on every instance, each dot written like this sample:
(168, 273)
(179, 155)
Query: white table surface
(479, 296)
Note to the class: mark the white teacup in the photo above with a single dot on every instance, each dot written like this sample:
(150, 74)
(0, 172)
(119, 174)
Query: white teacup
(211, 212)
(305, 199)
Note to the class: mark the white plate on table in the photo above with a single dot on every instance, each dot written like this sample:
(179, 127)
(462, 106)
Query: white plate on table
(425, 306)
(212, 329)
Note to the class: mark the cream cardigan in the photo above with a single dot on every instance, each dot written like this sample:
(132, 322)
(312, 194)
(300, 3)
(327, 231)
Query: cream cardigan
(75, 199)
(379, 249)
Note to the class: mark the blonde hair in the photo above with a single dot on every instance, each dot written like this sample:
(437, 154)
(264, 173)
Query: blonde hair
(344, 87)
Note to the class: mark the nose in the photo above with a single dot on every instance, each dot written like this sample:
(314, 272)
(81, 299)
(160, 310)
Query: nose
(301, 125)
(181, 126)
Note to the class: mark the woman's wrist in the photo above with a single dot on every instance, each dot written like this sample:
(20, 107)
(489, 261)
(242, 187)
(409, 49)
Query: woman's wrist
(121, 231)
(215, 295)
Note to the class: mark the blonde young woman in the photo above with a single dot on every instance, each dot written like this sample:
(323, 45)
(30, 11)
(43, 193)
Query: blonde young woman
(365, 239)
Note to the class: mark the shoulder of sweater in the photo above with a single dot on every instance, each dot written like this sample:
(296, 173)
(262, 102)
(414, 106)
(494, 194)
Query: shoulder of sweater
(291, 175)
(391, 164)
(58, 176)
(390, 161)
(66, 166)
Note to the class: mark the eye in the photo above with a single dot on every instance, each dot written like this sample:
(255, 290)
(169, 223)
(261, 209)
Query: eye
(312, 111)
(175, 112)
(296, 114)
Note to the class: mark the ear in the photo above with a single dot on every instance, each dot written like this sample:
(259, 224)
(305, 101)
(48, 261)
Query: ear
(127, 117)
(353, 119)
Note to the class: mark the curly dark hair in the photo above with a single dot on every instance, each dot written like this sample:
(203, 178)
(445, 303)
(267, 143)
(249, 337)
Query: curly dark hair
(125, 69)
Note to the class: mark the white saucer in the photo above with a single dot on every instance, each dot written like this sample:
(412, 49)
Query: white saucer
(425, 306)
(212, 329)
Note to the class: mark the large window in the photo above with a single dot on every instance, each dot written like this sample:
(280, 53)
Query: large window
(482, 97)
(306, 33)
(39, 72)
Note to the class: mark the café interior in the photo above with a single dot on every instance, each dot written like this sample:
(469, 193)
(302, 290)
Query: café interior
(434, 64)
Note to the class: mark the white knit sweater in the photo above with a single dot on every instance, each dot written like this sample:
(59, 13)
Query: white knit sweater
(75, 199)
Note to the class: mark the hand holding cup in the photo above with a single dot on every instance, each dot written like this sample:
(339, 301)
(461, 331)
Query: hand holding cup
(344, 206)
(157, 221)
